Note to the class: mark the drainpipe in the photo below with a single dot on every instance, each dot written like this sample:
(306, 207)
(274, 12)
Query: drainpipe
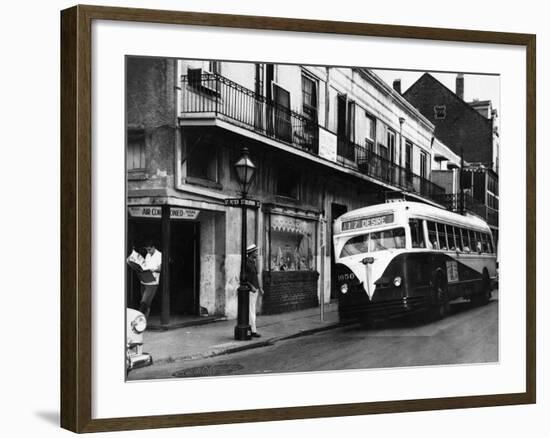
(177, 137)
(327, 98)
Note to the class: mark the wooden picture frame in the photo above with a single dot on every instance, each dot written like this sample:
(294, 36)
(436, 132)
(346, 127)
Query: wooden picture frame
(76, 218)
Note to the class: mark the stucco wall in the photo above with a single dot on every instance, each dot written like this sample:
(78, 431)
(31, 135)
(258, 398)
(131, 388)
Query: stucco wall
(151, 109)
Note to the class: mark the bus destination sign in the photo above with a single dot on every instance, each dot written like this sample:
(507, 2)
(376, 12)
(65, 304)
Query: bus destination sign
(367, 222)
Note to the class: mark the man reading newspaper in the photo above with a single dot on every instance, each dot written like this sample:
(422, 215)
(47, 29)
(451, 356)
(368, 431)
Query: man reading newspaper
(148, 271)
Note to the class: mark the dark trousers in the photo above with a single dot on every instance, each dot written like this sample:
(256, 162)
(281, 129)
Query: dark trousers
(148, 292)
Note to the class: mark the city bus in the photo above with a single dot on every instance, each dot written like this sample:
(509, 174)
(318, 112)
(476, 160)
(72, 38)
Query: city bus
(407, 257)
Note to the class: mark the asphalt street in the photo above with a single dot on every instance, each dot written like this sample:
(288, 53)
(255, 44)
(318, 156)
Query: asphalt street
(468, 335)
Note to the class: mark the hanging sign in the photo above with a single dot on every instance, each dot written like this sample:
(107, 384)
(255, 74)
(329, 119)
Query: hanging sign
(156, 212)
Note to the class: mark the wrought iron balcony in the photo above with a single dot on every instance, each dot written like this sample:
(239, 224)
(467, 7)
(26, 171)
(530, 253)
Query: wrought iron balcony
(376, 166)
(215, 94)
(212, 93)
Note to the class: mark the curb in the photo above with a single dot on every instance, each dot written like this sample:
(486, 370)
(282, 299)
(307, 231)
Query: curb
(252, 345)
(193, 323)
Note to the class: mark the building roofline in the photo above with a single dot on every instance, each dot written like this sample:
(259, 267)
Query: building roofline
(462, 101)
(480, 102)
(405, 104)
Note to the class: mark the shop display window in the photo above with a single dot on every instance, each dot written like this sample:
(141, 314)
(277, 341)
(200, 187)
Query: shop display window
(291, 244)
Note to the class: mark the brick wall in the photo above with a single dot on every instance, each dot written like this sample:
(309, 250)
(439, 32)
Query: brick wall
(289, 290)
(457, 125)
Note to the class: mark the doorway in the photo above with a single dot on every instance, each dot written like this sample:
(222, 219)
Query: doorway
(184, 265)
(184, 268)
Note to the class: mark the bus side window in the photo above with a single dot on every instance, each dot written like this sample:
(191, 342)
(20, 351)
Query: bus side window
(442, 236)
(472, 240)
(465, 240)
(450, 237)
(486, 247)
(432, 235)
(417, 233)
(490, 243)
(479, 247)
(459, 245)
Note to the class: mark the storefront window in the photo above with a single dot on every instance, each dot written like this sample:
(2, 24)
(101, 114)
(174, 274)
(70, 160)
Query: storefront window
(292, 244)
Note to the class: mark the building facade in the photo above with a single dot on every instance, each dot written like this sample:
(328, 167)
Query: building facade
(467, 128)
(470, 130)
(324, 140)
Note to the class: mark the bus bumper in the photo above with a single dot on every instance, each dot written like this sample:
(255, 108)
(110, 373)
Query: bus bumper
(385, 306)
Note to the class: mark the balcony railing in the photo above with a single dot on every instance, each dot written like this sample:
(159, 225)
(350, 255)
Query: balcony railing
(462, 202)
(376, 166)
(212, 93)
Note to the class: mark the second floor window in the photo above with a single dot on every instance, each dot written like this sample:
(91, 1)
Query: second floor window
(350, 122)
(391, 145)
(423, 164)
(371, 133)
(282, 113)
(214, 67)
(135, 152)
(345, 128)
(309, 98)
(201, 159)
(408, 156)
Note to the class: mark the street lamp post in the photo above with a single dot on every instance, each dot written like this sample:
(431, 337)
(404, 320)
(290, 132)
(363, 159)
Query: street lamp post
(245, 171)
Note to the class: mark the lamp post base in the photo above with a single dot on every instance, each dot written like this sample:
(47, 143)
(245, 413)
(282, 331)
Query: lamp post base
(243, 333)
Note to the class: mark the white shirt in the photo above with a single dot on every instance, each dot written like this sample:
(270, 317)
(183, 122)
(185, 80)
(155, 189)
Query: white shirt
(152, 263)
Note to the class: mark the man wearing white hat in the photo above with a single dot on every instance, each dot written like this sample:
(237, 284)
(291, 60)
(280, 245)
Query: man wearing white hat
(254, 283)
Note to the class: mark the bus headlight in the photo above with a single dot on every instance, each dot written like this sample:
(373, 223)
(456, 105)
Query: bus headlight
(397, 281)
(344, 288)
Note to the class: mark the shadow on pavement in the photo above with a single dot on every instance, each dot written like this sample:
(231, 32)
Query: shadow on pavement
(414, 320)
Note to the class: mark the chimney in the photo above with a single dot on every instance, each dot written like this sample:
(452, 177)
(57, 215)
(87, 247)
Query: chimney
(397, 85)
(460, 85)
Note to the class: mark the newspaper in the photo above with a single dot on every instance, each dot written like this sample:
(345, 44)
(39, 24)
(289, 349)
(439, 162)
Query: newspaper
(137, 263)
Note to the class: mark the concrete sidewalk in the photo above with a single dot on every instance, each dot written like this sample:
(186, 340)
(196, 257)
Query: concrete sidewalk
(207, 340)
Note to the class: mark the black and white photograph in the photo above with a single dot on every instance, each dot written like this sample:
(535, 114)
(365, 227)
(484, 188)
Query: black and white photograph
(297, 218)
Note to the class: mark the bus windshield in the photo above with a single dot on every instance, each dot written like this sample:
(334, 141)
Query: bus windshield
(374, 241)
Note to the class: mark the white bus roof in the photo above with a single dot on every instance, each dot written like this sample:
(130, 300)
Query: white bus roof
(414, 209)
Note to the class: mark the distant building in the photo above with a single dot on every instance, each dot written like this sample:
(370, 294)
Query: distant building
(480, 184)
(445, 167)
(468, 128)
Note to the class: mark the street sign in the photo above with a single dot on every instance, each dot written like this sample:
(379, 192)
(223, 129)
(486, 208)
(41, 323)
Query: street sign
(238, 202)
